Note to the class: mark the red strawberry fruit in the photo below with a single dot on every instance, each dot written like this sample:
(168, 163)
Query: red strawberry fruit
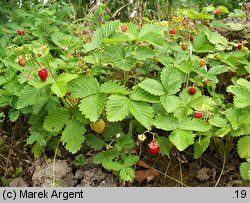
(192, 90)
(22, 62)
(191, 38)
(198, 115)
(19, 32)
(172, 32)
(217, 12)
(202, 63)
(124, 28)
(154, 147)
(43, 74)
(239, 46)
(206, 81)
(184, 47)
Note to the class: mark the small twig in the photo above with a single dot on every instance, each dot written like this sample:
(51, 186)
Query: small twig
(7, 162)
(2, 167)
(140, 11)
(180, 172)
(204, 160)
(3, 157)
(169, 163)
(113, 16)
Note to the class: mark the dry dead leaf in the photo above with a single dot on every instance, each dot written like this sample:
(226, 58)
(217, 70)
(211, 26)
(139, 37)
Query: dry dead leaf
(148, 175)
(182, 159)
(143, 164)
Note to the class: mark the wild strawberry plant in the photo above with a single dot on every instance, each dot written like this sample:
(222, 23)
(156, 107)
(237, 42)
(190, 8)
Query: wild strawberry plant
(124, 81)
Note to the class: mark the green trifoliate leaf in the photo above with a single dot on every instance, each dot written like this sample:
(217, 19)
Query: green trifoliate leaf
(152, 86)
(142, 53)
(232, 116)
(28, 96)
(106, 156)
(244, 147)
(111, 87)
(80, 160)
(13, 115)
(56, 119)
(170, 102)
(154, 39)
(199, 40)
(93, 106)
(73, 136)
(66, 77)
(138, 94)
(200, 146)
(59, 88)
(171, 80)
(241, 95)
(117, 108)
(113, 165)
(218, 122)
(100, 34)
(216, 70)
(94, 142)
(237, 14)
(120, 56)
(245, 170)
(127, 174)
(123, 141)
(194, 125)
(150, 28)
(166, 122)
(142, 111)
(83, 87)
(164, 144)
(131, 160)
(182, 138)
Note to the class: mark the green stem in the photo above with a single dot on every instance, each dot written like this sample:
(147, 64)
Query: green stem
(190, 53)
(125, 75)
(50, 70)
(187, 80)
(36, 62)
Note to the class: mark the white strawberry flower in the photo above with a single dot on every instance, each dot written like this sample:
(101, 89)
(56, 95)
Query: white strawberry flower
(142, 137)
